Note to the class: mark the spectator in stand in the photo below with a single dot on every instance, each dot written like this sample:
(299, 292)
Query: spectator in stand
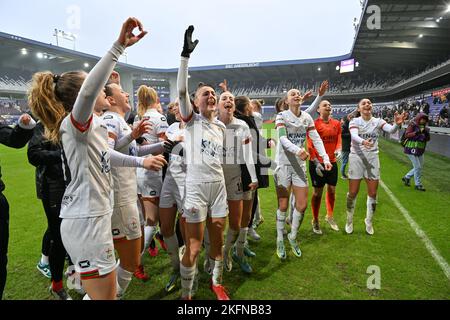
(417, 135)
(426, 108)
(443, 116)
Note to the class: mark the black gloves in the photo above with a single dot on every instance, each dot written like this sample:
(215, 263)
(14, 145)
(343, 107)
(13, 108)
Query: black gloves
(189, 46)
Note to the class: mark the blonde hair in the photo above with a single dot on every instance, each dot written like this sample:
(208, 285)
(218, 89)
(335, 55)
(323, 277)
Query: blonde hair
(52, 97)
(147, 96)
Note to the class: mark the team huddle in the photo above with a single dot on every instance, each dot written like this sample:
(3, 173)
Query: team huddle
(125, 181)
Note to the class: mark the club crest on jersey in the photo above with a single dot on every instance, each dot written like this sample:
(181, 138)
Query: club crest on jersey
(104, 161)
(194, 210)
(66, 200)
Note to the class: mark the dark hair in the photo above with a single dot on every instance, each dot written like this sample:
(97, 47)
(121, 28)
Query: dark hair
(280, 104)
(109, 90)
(241, 103)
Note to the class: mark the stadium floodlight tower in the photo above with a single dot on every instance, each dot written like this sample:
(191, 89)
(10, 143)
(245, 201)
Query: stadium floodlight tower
(65, 35)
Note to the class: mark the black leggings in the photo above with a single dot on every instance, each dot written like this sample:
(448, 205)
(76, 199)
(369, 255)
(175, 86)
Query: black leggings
(57, 253)
(4, 237)
(255, 205)
(46, 243)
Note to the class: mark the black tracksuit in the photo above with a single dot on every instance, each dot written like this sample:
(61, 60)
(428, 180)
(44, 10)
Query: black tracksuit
(50, 187)
(15, 138)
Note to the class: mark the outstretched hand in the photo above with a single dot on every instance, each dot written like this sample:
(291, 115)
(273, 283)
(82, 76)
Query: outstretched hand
(400, 118)
(307, 95)
(188, 46)
(127, 37)
(323, 88)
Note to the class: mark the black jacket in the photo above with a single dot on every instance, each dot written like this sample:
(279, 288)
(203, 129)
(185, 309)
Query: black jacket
(46, 157)
(15, 138)
(258, 150)
(346, 137)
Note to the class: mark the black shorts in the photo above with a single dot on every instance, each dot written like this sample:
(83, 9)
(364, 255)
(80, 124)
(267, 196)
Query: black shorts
(329, 177)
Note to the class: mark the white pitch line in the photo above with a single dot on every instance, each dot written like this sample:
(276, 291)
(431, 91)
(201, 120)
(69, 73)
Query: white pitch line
(420, 233)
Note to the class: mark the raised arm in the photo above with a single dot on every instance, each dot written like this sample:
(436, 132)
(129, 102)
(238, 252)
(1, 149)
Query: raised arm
(312, 109)
(186, 110)
(399, 119)
(99, 75)
(18, 136)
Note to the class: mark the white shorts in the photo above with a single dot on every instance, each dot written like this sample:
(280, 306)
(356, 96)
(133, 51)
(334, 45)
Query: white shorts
(89, 243)
(235, 189)
(203, 200)
(171, 194)
(125, 222)
(149, 183)
(286, 176)
(364, 166)
(141, 213)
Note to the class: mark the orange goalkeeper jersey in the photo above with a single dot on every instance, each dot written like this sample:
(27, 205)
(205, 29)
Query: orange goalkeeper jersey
(330, 133)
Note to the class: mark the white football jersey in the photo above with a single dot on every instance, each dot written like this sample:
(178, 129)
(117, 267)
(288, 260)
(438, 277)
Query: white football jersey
(86, 149)
(159, 126)
(204, 150)
(367, 130)
(296, 131)
(158, 122)
(258, 120)
(236, 135)
(177, 167)
(125, 187)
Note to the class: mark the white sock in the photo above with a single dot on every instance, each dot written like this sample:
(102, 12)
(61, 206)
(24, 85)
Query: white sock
(172, 250)
(44, 259)
(257, 212)
(281, 217)
(292, 207)
(297, 220)
(240, 244)
(123, 280)
(149, 233)
(187, 280)
(371, 207)
(217, 267)
(232, 236)
(350, 208)
(86, 297)
(206, 242)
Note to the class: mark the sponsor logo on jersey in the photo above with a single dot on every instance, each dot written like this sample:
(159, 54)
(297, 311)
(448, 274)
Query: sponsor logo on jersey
(108, 117)
(84, 264)
(66, 200)
(104, 161)
(115, 232)
(153, 193)
(211, 148)
(297, 138)
(113, 126)
(373, 136)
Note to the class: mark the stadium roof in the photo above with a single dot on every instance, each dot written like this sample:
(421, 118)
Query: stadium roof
(396, 46)
(412, 33)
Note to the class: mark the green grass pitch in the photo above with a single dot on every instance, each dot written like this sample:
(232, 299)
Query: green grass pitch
(333, 266)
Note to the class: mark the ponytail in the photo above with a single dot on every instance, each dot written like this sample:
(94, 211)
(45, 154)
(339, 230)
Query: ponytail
(51, 98)
(147, 96)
